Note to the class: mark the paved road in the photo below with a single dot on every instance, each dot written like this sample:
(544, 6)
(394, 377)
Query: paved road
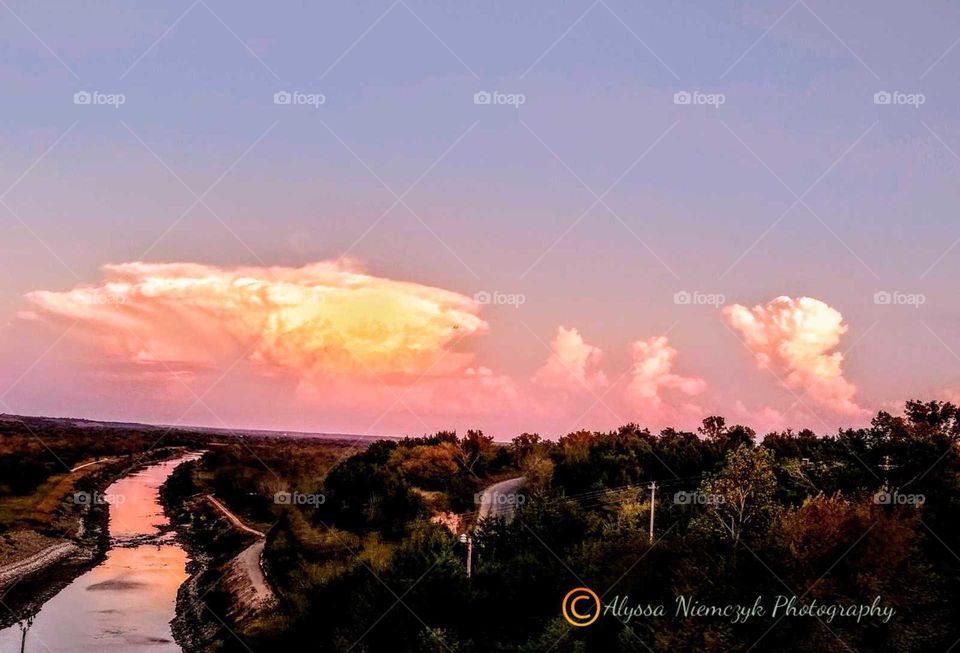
(500, 499)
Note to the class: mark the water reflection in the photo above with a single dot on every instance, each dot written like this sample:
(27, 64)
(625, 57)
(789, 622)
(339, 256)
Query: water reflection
(125, 603)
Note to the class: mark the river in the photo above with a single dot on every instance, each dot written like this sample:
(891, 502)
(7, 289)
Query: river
(124, 604)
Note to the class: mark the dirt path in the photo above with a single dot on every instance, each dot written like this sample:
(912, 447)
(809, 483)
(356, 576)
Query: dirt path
(93, 462)
(245, 574)
(249, 560)
(14, 571)
(233, 518)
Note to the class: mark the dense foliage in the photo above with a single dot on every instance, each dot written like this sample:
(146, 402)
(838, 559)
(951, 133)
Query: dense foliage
(840, 518)
(377, 562)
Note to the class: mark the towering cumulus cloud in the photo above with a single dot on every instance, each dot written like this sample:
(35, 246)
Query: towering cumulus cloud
(652, 376)
(795, 338)
(572, 364)
(321, 319)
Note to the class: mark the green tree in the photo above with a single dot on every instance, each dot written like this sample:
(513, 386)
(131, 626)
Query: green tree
(741, 498)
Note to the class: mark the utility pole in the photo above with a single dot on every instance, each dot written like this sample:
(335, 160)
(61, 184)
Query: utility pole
(469, 555)
(467, 539)
(653, 506)
(886, 467)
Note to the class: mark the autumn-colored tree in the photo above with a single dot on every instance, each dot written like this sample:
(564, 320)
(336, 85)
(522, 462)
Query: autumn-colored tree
(522, 446)
(426, 466)
(538, 470)
(474, 447)
(838, 550)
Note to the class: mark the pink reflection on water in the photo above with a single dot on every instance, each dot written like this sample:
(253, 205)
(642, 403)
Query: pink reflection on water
(124, 604)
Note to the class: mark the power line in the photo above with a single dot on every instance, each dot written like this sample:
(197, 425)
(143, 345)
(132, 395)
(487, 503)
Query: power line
(594, 498)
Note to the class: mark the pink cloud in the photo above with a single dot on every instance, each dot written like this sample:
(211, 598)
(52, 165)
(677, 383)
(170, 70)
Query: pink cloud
(762, 419)
(330, 339)
(572, 364)
(321, 319)
(653, 387)
(343, 338)
(795, 339)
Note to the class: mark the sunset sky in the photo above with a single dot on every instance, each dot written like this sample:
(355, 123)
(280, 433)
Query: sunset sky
(582, 251)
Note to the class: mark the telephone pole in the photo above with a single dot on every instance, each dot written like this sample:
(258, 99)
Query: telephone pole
(653, 506)
(467, 539)
(886, 467)
(469, 556)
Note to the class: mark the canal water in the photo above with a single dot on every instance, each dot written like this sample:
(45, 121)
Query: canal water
(124, 604)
